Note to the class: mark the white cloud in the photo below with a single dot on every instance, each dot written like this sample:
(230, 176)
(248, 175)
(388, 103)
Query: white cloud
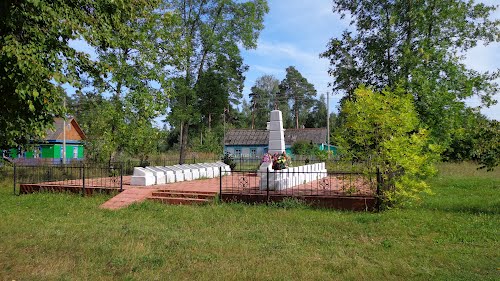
(274, 57)
(267, 70)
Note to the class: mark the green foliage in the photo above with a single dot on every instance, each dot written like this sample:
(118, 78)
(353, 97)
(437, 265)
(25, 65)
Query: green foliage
(228, 159)
(118, 107)
(263, 97)
(95, 113)
(303, 148)
(487, 149)
(35, 58)
(383, 128)
(464, 139)
(419, 46)
(213, 97)
(297, 89)
(477, 139)
(210, 34)
(321, 155)
(316, 118)
(209, 141)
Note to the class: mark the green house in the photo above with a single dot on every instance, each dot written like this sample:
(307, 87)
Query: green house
(51, 148)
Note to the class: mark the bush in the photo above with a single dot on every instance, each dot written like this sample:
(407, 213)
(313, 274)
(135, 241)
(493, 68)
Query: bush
(383, 128)
(229, 160)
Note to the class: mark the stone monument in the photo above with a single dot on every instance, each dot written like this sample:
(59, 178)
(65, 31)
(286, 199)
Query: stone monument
(276, 133)
(276, 145)
(271, 179)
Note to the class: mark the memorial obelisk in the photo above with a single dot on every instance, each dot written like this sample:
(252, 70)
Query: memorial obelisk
(276, 133)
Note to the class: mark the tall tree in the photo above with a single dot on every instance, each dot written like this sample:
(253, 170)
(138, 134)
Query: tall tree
(297, 89)
(246, 114)
(94, 113)
(418, 45)
(316, 118)
(35, 57)
(210, 33)
(213, 96)
(262, 99)
(132, 74)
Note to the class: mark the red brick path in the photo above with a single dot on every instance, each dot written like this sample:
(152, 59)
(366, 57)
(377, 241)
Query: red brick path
(128, 197)
(134, 194)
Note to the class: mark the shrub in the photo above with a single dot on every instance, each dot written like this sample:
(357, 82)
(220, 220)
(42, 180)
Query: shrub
(229, 160)
(383, 128)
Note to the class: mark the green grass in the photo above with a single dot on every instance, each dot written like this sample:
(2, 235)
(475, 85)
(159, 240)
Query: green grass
(453, 235)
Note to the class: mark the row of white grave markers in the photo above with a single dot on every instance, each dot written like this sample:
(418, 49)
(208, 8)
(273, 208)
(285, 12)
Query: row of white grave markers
(290, 177)
(177, 173)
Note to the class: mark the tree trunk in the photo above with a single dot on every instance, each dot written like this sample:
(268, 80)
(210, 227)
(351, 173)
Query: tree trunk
(253, 118)
(209, 121)
(296, 118)
(183, 142)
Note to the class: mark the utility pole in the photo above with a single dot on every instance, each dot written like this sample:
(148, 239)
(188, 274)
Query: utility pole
(328, 122)
(64, 134)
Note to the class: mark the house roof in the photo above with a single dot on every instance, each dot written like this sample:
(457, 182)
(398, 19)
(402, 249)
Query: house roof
(261, 137)
(73, 130)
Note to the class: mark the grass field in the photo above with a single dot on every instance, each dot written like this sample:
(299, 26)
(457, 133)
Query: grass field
(453, 235)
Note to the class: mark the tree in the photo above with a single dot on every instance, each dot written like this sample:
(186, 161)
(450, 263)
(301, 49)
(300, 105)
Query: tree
(303, 148)
(262, 99)
(417, 45)
(132, 74)
(464, 138)
(487, 149)
(296, 88)
(383, 129)
(316, 118)
(209, 35)
(213, 96)
(281, 102)
(334, 122)
(94, 112)
(35, 58)
(246, 114)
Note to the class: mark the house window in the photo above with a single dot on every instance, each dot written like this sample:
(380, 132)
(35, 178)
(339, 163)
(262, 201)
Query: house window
(253, 152)
(237, 152)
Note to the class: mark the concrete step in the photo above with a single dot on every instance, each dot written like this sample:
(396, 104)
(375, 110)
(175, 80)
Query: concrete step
(199, 195)
(186, 191)
(179, 200)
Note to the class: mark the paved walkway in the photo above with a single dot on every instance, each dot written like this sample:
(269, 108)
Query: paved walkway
(134, 194)
(128, 197)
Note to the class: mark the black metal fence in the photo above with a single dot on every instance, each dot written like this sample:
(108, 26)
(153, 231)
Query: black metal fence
(73, 177)
(304, 183)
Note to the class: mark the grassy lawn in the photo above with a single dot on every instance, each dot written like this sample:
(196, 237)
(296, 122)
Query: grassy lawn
(453, 235)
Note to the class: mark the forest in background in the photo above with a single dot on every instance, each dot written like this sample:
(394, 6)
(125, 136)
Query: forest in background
(180, 61)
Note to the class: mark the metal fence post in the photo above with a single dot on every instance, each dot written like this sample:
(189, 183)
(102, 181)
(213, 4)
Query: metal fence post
(121, 177)
(15, 178)
(220, 184)
(83, 179)
(378, 198)
(267, 185)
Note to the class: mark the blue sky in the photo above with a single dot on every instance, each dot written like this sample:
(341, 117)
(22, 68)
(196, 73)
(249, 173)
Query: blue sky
(297, 31)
